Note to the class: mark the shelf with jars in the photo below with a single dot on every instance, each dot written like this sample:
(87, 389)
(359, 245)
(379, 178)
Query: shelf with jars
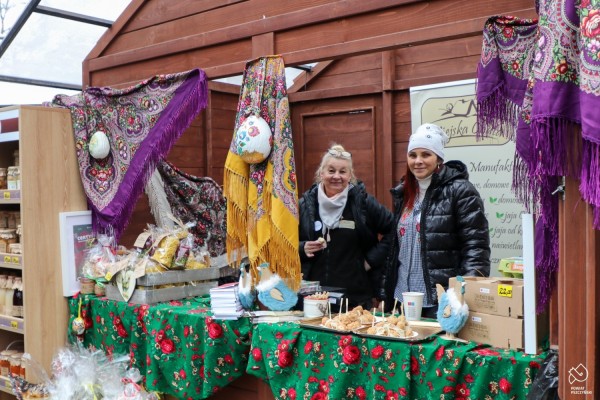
(39, 179)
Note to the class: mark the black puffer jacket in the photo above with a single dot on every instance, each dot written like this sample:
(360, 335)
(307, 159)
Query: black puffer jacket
(341, 264)
(454, 232)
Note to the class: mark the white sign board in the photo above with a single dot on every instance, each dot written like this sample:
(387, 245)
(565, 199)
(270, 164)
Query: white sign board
(489, 161)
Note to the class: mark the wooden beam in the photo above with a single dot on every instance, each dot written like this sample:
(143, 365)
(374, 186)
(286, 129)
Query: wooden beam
(387, 70)
(224, 87)
(404, 84)
(263, 45)
(387, 116)
(177, 10)
(309, 16)
(334, 93)
(414, 37)
(115, 29)
(304, 78)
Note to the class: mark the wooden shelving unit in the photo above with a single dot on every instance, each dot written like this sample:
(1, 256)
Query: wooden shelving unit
(50, 184)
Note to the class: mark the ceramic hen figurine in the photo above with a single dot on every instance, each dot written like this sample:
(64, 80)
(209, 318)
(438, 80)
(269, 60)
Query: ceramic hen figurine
(246, 292)
(273, 292)
(452, 312)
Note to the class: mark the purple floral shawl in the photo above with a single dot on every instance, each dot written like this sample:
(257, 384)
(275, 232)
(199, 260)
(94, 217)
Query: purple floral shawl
(142, 123)
(538, 81)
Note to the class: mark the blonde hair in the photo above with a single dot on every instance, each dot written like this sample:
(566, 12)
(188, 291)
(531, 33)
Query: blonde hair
(327, 156)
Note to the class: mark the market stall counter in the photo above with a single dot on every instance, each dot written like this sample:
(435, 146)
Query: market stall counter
(177, 346)
(180, 350)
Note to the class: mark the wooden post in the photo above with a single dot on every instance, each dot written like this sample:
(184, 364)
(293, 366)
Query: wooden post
(578, 284)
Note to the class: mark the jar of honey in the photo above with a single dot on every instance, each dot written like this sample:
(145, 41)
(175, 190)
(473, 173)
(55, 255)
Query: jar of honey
(15, 364)
(7, 237)
(87, 285)
(5, 357)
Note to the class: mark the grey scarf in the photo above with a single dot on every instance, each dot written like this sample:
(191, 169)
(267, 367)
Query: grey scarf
(331, 208)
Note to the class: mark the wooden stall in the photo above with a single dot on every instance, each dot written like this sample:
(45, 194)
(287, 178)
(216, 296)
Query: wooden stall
(368, 54)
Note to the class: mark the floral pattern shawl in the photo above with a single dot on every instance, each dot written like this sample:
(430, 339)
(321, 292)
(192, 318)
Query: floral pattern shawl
(542, 77)
(262, 199)
(142, 123)
(198, 200)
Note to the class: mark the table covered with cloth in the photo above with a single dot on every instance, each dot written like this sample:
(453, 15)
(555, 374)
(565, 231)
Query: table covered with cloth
(305, 363)
(177, 346)
(180, 350)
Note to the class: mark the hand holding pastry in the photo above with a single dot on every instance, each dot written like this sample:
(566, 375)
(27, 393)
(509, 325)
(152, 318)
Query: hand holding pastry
(311, 247)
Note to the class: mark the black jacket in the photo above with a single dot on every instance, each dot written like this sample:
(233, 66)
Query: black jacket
(454, 232)
(341, 264)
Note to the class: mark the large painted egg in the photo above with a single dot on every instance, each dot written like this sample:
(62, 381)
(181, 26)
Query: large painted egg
(253, 140)
(99, 145)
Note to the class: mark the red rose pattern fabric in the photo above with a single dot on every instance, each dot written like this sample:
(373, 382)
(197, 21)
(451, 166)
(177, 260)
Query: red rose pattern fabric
(177, 346)
(302, 363)
(182, 351)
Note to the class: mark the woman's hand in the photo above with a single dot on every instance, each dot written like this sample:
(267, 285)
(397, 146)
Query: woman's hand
(311, 247)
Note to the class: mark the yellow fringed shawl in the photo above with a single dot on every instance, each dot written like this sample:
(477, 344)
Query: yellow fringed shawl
(262, 199)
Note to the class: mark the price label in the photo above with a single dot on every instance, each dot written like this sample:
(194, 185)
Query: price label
(7, 259)
(14, 324)
(15, 260)
(505, 290)
(6, 195)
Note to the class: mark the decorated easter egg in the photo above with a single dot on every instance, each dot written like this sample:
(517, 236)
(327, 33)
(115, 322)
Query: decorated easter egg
(78, 326)
(99, 145)
(253, 140)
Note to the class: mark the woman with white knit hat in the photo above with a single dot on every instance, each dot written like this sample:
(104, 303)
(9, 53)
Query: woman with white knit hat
(442, 230)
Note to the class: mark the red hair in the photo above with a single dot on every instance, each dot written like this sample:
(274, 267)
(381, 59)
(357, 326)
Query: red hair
(411, 189)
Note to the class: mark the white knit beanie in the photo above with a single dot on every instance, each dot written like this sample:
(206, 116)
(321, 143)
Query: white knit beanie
(430, 137)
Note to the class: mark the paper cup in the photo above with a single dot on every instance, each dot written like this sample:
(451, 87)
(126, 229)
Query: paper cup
(315, 307)
(413, 305)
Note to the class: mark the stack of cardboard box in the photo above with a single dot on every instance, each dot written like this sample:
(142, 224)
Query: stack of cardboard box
(495, 311)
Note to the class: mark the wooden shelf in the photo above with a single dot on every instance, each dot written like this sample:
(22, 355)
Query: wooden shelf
(10, 196)
(12, 324)
(5, 385)
(13, 261)
(45, 142)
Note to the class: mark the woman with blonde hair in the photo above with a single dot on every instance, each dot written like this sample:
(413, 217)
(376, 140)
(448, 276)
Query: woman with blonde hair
(340, 228)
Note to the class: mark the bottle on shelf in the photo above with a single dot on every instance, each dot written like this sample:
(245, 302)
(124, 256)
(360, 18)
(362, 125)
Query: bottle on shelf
(8, 296)
(17, 301)
(3, 279)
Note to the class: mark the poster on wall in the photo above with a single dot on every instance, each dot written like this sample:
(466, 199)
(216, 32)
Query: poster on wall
(489, 161)
(76, 238)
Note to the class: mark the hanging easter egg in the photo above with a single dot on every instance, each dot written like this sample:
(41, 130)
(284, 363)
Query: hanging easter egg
(78, 324)
(253, 140)
(99, 145)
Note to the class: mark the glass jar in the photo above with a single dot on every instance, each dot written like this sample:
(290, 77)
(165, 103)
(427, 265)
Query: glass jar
(3, 178)
(11, 184)
(15, 364)
(7, 237)
(5, 357)
(87, 285)
(2, 291)
(15, 248)
(8, 296)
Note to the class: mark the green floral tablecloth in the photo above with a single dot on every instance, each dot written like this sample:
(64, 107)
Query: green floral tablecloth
(180, 350)
(177, 346)
(303, 363)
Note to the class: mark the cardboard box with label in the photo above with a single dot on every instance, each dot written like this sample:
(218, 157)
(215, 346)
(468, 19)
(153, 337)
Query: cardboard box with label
(495, 296)
(504, 332)
(496, 312)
